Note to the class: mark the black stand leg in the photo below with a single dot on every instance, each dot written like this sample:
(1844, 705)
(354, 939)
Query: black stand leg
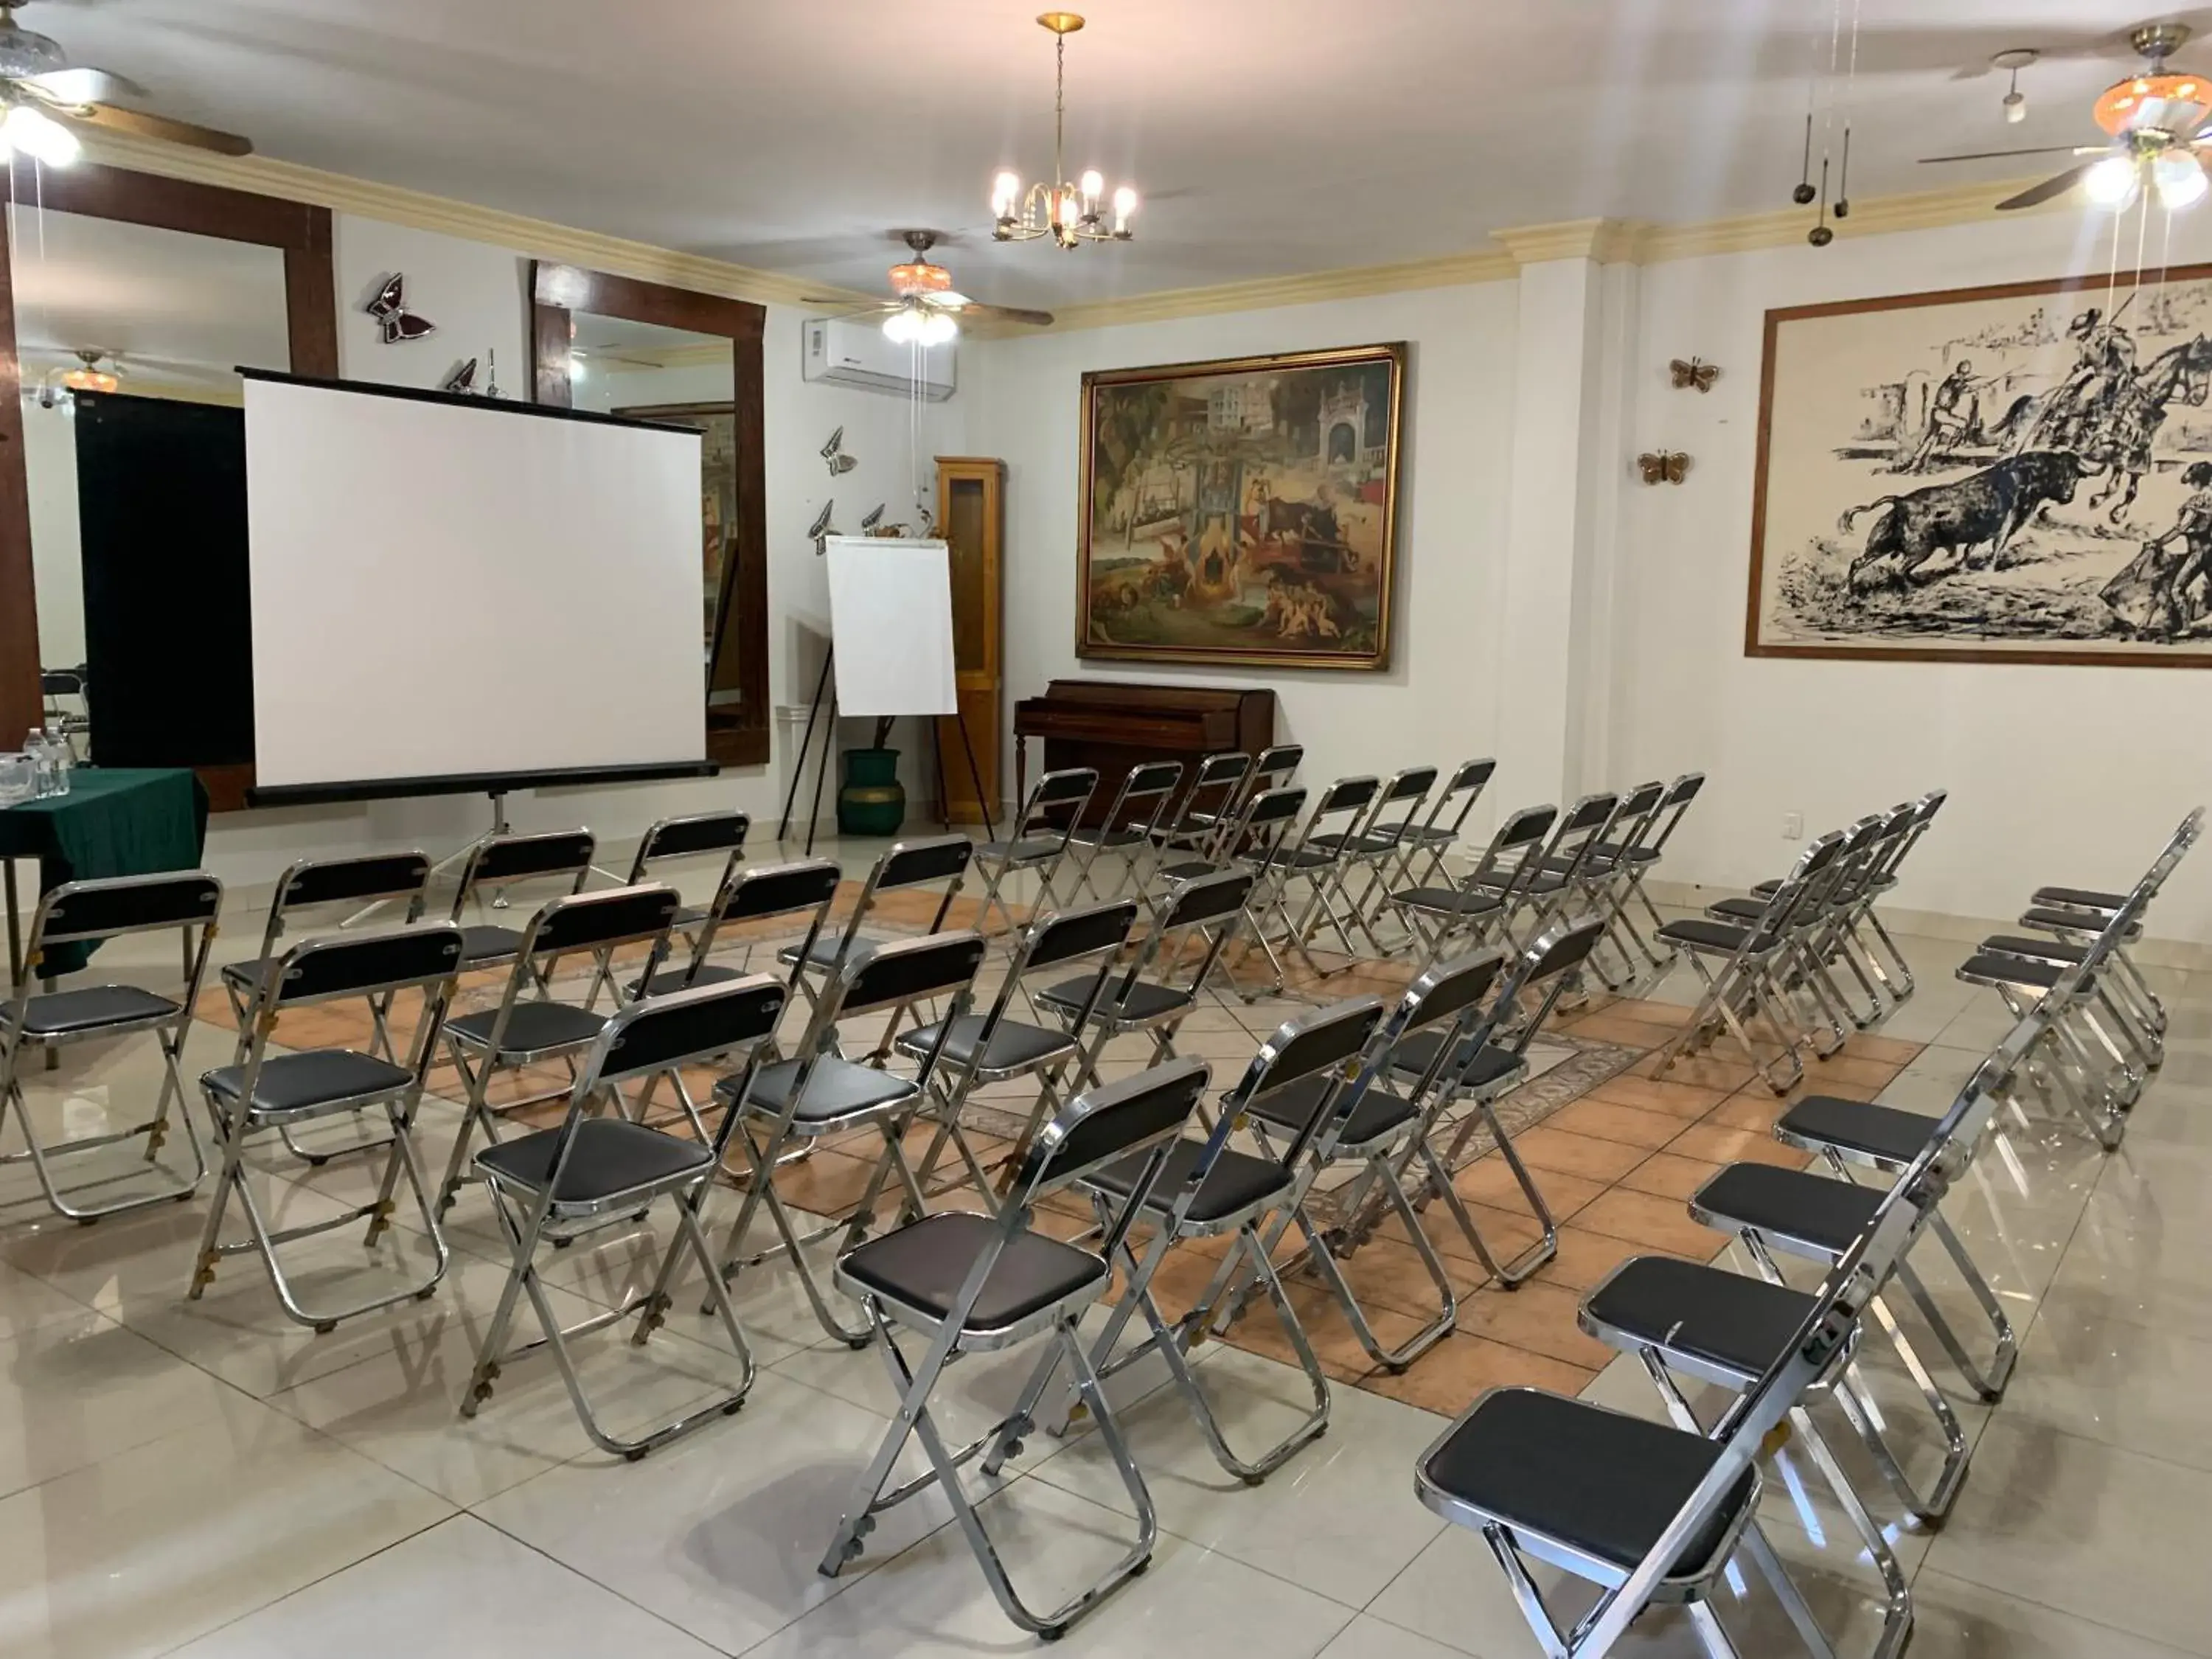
(975, 772)
(821, 772)
(806, 744)
(937, 748)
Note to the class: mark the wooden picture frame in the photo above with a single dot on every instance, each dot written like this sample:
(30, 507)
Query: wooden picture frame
(1973, 391)
(1243, 512)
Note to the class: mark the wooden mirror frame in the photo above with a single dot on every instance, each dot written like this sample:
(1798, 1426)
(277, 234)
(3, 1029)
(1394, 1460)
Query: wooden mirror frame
(311, 316)
(738, 737)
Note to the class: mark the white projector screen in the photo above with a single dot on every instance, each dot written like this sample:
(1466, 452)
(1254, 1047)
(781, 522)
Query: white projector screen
(449, 589)
(890, 620)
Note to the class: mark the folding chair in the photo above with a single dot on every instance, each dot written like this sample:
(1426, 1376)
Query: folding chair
(1130, 825)
(680, 840)
(503, 861)
(1561, 881)
(1378, 843)
(1476, 1071)
(1812, 940)
(992, 1048)
(902, 867)
(1653, 1513)
(596, 1164)
(529, 1025)
(1371, 1132)
(1037, 841)
(1884, 879)
(1206, 909)
(1427, 843)
(1217, 784)
(821, 1093)
(972, 1284)
(1262, 839)
(86, 913)
(1640, 859)
(1607, 869)
(261, 1090)
(1498, 884)
(1339, 817)
(1211, 1189)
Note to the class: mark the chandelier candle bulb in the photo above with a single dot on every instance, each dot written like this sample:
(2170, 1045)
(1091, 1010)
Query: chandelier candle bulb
(1067, 213)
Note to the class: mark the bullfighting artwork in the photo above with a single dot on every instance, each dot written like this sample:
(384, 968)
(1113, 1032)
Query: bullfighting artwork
(2021, 473)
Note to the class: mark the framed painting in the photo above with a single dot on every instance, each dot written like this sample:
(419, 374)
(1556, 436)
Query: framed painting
(1243, 512)
(2012, 474)
(717, 425)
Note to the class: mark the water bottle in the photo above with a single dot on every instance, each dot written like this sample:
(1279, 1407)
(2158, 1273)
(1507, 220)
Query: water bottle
(60, 756)
(42, 771)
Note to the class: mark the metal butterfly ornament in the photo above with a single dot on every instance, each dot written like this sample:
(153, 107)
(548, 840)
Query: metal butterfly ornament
(1667, 466)
(389, 307)
(821, 529)
(833, 453)
(1695, 374)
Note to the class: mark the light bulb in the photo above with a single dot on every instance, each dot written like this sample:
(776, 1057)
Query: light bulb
(905, 326)
(1006, 191)
(2112, 183)
(1125, 203)
(1094, 187)
(2015, 106)
(938, 328)
(2179, 179)
(40, 136)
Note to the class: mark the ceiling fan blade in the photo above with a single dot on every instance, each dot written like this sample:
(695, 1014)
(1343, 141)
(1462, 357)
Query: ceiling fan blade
(84, 86)
(949, 299)
(2007, 155)
(2057, 185)
(1011, 314)
(142, 126)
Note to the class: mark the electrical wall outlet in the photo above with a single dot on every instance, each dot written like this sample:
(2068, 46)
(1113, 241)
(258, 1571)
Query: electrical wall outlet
(1793, 826)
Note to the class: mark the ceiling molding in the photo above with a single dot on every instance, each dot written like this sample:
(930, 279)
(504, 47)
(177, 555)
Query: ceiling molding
(539, 238)
(1607, 241)
(1877, 216)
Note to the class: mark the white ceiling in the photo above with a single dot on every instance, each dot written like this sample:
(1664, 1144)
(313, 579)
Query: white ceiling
(1269, 136)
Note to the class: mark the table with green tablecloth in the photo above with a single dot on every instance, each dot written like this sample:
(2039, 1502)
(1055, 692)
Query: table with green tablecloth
(115, 821)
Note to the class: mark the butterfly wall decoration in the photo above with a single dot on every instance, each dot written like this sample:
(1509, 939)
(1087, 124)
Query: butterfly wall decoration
(1667, 466)
(833, 453)
(872, 518)
(1696, 374)
(389, 307)
(821, 529)
(462, 382)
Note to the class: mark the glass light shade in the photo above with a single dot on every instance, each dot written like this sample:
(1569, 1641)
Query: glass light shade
(2015, 107)
(1006, 191)
(40, 136)
(937, 329)
(2179, 179)
(905, 326)
(90, 379)
(2112, 182)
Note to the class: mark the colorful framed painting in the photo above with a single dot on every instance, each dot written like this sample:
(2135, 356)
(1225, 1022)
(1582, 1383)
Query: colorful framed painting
(1243, 512)
(2012, 474)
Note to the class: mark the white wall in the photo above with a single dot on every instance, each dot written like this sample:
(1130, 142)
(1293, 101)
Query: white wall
(57, 550)
(1438, 701)
(2067, 774)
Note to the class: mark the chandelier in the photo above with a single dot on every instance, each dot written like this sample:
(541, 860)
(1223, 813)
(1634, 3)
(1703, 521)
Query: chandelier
(89, 375)
(1068, 213)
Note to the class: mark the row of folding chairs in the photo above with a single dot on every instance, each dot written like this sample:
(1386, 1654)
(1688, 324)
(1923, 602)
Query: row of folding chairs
(1771, 958)
(1650, 1512)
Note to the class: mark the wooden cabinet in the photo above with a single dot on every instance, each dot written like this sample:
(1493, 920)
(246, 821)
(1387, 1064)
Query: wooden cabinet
(971, 516)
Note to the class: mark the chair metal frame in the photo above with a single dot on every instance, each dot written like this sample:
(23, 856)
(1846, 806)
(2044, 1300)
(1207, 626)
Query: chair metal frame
(1379, 843)
(690, 836)
(1561, 879)
(1273, 768)
(503, 860)
(1257, 842)
(337, 968)
(1314, 855)
(1429, 843)
(1673, 806)
(1125, 830)
(1608, 870)
(901, 865)
(1216, 783)
(89, 912)
(1479, 905)
(1036, 841)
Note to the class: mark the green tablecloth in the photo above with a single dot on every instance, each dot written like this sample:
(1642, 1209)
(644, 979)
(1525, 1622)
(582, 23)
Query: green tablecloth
(115, 821)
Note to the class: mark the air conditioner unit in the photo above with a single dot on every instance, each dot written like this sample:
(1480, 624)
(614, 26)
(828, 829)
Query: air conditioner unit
(848, 352)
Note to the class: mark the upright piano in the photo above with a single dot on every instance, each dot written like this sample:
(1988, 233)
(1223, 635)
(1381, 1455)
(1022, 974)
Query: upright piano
(1111, 726)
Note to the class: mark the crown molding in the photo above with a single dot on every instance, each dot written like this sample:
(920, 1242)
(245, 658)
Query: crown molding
(539, 238)
(1606, 241)
(1877, 216)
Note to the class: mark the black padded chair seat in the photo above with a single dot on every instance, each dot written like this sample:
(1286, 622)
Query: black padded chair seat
(2080, 899)
(1291, 1108)
(1148, 1000)
(1097, 836)
(1702, 934)
(1747, 910)
(1596, 863)
(69, 1013)
(1543, 881)
(1984, 968)
(923, 1266)
(1028, 849)
(1599, 1481)
(1237, 1182)
(1013, 1047)
(532, 1028)
(1766, 889)
(1307, 858)
(825, 953)
(1729, 1320)
(1816, 1210)
(1858, 1126)
(2070, 921)
(291, 1085)
(487, 943)
(1436, 834)
(1613, 852)
(838, 1089)
(1445, 900)
(1413, 1056)
(1187, 870)
(1357, 844)
(611, 1155)
(673, 979)
(2036, 949)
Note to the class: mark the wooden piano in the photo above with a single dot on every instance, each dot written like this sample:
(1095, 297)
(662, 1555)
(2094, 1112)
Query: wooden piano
(1111, 725)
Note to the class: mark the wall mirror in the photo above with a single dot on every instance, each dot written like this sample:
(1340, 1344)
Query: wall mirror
(643, 349)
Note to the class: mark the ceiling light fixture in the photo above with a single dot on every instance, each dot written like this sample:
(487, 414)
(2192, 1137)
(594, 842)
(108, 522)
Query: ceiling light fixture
(1068, 213)
(918, 325)
(2013, 62)
(89, 375)
(38, 135)
(2112, 183)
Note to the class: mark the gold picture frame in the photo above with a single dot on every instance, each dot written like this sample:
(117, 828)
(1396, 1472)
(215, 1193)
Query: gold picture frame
(1242, 511)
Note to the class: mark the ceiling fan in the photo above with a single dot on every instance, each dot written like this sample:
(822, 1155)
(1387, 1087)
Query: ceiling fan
(43, 97)
(2156, 118)
(927, 308)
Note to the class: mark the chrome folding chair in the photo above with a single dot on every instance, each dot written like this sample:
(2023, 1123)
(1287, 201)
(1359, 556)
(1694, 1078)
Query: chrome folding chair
(1036, 842)
(1884, 879)
(1638, 860)
(1262, 839)
(904, 866)
(1339, 817)
(1131, 827)
(1501, 882)
(1212, 1189)
(1217, 783)
(263, 1090)
(680, 841)
(1199, 915)
(1607, 870)
(1271, 769)
(312, 884)
(1379, 842)
(499, 862)
(981, 1050)
(818, 1092)
(1369, 1134)
(1812, 940)
(1462, 1077)
(974, 1284)
(1650, 1512)
(1428, 842)
(1561, 882)
(38, 1022)
(529, 1025)
(596, 1165)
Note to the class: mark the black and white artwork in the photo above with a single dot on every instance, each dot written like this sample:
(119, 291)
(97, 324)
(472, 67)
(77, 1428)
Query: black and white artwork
(2018, 473)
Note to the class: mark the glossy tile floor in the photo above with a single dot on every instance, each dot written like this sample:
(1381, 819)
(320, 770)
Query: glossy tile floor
(207, 1479)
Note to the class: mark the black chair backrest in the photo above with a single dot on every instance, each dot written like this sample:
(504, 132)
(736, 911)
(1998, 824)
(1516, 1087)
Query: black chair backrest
(1680, 794)
(1309, 1045)
(104, 909)
(688, 837)
(1275, 806)
(599, 921)
(1643, 802)
(1205, 898)
(522, 857)
(1107, 1124)
(1058, 938)
(1449, 988)
(1347, 795)
(1800, 886)
(1591, 813)
(1151, 778)
(352, 881)
(685, 1027)
(1544, 967)
(1471, 774)
(781, 889)
(358, 964)
(1413, 783)
(1278, 761)
(908, 969)
(911, 863)
(1059, 789)
(1525, 827)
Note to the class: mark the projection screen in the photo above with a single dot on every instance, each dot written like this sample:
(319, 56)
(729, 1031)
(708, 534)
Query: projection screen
(446, 589)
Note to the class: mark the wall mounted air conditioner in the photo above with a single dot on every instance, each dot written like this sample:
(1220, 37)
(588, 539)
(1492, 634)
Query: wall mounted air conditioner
(856, 352)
